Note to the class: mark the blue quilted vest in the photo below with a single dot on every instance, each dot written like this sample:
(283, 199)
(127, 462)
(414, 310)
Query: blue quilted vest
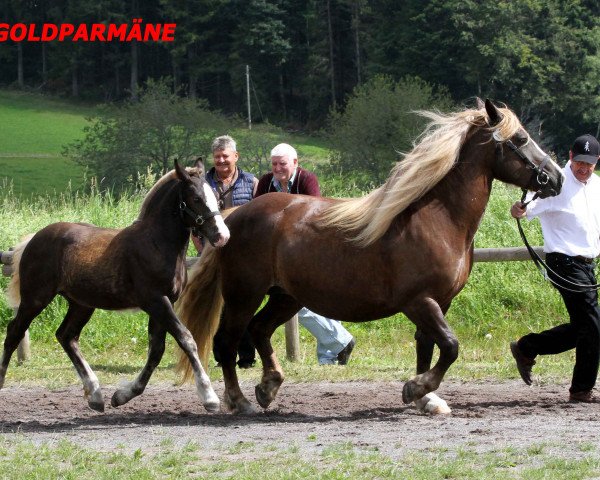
(242, 188)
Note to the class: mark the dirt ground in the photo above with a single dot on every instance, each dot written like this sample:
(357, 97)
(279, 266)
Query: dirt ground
(486, 416)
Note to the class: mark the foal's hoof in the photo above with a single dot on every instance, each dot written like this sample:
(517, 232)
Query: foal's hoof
(212, 406)
(95, 400)
(96, 405)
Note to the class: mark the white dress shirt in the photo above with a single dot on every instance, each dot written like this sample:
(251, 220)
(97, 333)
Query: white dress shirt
(571, 220)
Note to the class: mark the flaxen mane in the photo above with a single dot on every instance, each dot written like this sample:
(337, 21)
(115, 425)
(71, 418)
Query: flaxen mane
(366, 219)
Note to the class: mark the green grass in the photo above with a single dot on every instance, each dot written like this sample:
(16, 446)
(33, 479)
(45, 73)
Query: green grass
(35, 124)
(34, 130)
(20, 459)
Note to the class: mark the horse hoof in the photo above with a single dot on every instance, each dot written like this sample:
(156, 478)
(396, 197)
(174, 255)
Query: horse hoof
(119, 398)
(97, 406)
(212, 407)
(263, 398)
(244, 408)
(408, 393)
(433, 405)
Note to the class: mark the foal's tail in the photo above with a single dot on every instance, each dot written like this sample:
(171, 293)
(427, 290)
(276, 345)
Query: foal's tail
(199, 308)
(13, 291)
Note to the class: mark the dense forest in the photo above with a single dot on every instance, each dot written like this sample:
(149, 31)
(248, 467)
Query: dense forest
(541, 57)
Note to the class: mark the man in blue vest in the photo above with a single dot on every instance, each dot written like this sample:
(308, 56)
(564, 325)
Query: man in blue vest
(233, 187)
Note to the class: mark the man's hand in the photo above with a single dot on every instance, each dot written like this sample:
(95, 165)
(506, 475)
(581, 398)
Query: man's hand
(518, 210)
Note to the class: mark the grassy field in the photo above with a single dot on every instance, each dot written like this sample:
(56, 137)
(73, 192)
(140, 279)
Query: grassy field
(34, 129)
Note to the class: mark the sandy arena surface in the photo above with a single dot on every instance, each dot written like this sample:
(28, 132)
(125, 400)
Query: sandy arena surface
(310, 416)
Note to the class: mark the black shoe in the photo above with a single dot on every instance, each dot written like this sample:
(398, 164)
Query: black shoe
(524, 363)
(344, 355)
(246, 363)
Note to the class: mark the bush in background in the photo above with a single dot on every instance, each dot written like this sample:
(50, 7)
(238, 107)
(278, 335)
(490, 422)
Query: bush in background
(378, 123)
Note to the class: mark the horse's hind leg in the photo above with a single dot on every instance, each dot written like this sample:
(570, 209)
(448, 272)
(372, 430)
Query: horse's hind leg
(235, 319)
(427, 315)
(16, 329)
(68, 336)
(156, 349)
(278, 310)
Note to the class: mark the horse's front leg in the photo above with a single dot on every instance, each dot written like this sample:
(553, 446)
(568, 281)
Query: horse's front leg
(427, 315)
(226, 342)
(161, 311)
(429, 403)
(156, 348)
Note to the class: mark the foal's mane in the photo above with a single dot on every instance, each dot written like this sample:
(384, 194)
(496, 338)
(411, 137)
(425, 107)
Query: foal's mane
(366, 219)
(166, 178)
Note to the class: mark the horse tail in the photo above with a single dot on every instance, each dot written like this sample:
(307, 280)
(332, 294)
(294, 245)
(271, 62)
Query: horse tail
(199, 308)
(13, 291)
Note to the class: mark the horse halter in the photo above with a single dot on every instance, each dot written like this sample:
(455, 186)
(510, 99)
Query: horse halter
(197, 218)
(542, 177)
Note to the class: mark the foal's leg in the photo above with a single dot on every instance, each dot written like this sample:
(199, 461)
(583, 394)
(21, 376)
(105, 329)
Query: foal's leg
(68, 336)
(27, 311)
(156, 348)
(278, 310)
(429, 403)
(161, 312)
(427, 315)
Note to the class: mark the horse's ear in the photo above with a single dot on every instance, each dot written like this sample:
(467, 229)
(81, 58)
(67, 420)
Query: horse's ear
(493, 112)
(479, 103)
(181, 173)
(199, 166)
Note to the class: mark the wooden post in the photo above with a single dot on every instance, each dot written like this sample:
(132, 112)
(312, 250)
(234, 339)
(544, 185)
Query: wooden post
(292, 339)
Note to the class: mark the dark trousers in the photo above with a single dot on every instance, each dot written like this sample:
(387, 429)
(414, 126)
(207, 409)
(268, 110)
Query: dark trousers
(583, 330)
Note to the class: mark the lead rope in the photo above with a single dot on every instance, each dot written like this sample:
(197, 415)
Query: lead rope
(543, 266)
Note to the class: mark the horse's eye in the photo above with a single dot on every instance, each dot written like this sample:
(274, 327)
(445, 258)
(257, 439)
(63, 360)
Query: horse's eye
(197, 199)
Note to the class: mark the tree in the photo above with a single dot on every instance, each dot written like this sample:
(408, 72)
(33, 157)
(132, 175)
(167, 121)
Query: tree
(378, 123)
(145, 134)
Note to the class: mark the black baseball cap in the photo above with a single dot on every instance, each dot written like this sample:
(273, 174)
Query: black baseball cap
(586, 149)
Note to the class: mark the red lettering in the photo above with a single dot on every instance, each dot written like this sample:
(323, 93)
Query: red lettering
(81, 33)
(3, 32)
(152, 32)
(168, 32)
(49, 32)
(136, 32)
(31, 34)
(66, 30)
(98, 32)
(115, 32)
(18, 37)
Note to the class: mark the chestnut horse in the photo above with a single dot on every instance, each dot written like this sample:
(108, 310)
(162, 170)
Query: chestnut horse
(141, 266)
(405, 247)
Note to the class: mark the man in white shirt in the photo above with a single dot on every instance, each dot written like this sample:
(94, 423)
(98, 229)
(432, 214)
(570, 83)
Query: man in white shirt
(571, 228)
